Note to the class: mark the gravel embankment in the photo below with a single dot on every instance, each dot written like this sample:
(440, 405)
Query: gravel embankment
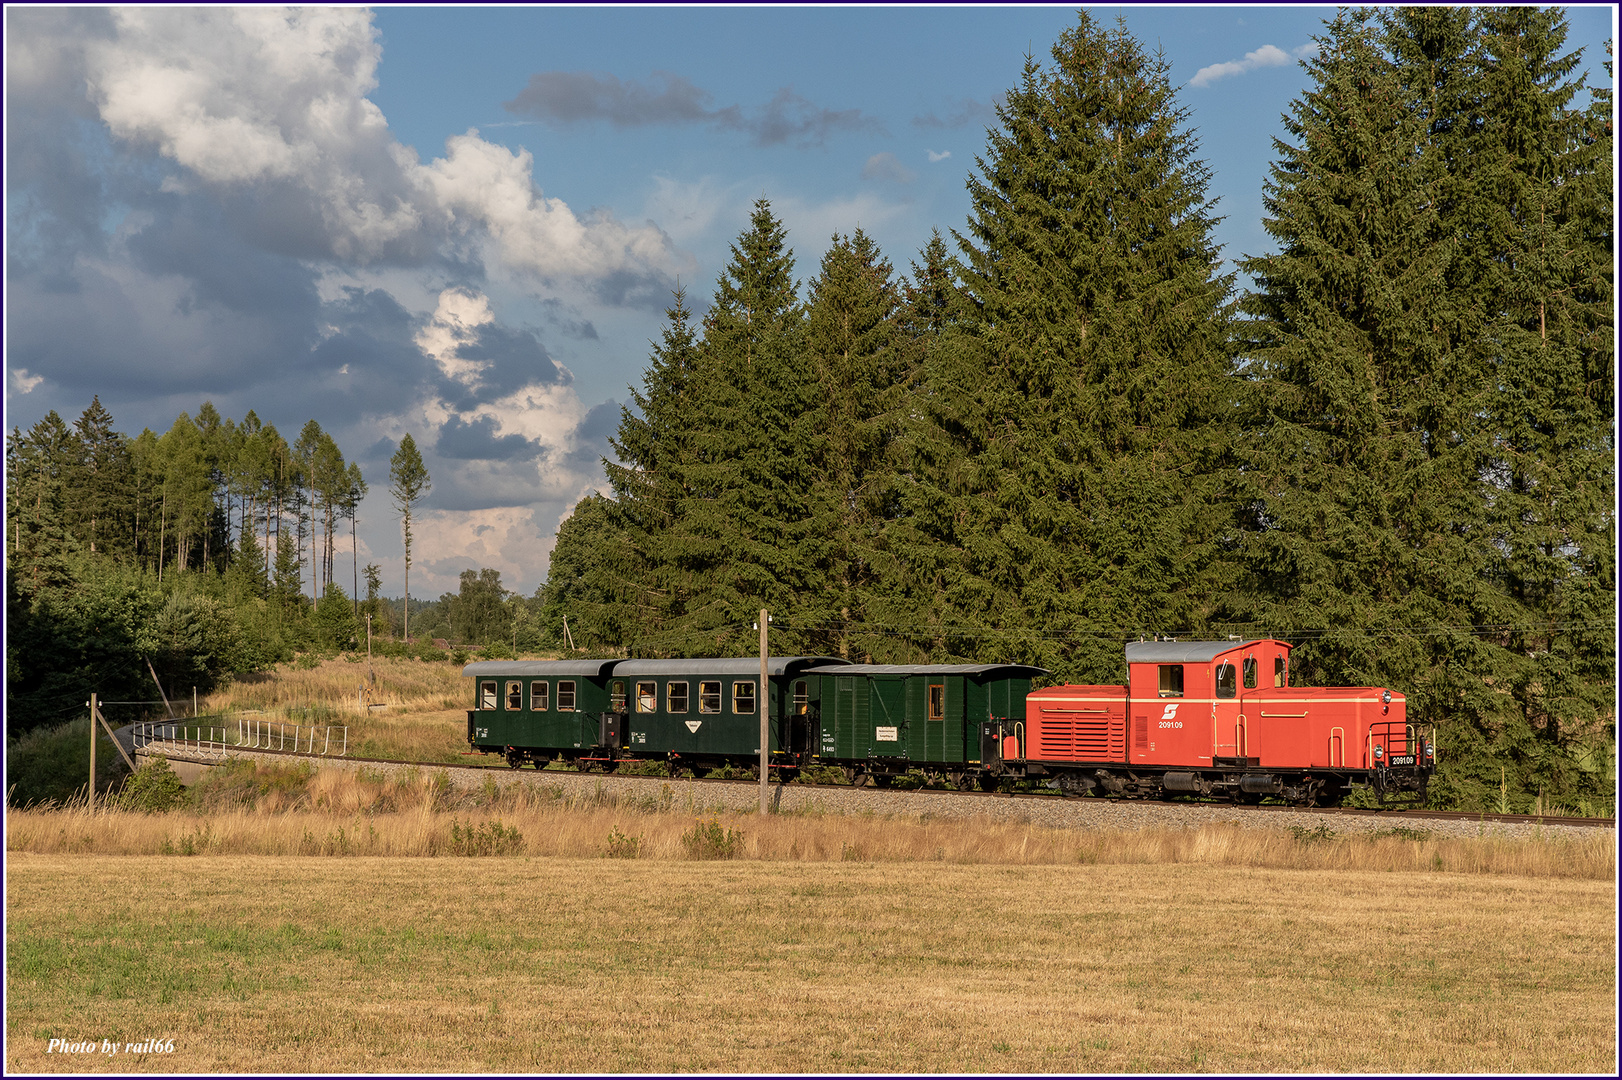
(1069, 813)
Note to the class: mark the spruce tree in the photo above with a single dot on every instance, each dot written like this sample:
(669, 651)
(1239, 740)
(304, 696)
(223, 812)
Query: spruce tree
(748, 535)
(852, 343)
(408, 484)
(101, 511)
(1100, 312)
(1431, 472)
(642, 564)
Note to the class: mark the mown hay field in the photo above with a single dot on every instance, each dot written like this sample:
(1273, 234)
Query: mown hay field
(788, 944)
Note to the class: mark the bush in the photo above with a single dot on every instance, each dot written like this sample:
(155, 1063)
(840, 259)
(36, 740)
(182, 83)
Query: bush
(709, 840)
(491, 838)
(621, 846)
(152, 789)
(52, 764)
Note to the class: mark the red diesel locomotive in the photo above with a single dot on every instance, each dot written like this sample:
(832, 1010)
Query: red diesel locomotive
(1215, 718)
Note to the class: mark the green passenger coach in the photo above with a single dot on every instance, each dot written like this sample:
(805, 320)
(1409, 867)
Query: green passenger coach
(533, 710)
(880, 720)
(692, 714)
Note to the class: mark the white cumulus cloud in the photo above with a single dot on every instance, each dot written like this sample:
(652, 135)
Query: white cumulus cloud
(1264, 57)
(273, 101)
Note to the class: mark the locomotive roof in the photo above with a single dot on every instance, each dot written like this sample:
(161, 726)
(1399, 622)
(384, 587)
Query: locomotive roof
(725, 665)
(593, 668)
(1012, 670)
(1181, 652)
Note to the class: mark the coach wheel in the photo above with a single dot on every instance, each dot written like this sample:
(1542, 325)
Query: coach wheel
(883, 781)
(989, 782)
(860, 779)
(515, 758)
(960, 781)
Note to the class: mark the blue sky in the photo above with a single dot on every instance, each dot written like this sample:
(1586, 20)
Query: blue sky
(465, 223)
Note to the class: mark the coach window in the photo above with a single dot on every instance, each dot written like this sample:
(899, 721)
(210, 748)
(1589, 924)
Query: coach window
(487, 695)
(1280, 676)
(802, 698)
(937, 703)
(537, 697)
(647, 696)
(1226, 680)
(1171, 680)
(566, 695)
(709, 697)
(1250, 673)
(676, 697)
(743, 698)
(515, 696)
(616, 696)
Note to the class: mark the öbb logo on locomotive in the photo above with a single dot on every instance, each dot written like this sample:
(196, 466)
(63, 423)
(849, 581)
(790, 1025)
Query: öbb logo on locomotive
(1198, 718)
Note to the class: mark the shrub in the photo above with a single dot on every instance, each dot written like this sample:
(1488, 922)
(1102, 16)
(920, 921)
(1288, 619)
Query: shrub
(491, 838)
(620, 846)
(708, 839)
(152, 789)
(52, 764)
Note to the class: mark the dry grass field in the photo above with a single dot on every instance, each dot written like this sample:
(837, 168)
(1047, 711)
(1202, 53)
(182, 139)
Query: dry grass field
(319, 964)
(417, 711)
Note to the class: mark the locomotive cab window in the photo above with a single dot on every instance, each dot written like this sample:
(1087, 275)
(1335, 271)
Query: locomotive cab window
(647, 697)
(1171, 680)
(743, 698)
(1279, 674)
(566, 695)
(676, 697)
(709, 697)
(515, 696)
(937, 703)
(1250, 673)
(1227, 680)
(616, 696)
(537, 696)
(487, 695)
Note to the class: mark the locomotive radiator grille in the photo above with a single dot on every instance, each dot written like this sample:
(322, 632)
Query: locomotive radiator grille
(1091, 736)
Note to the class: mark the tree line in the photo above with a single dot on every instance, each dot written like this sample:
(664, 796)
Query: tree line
(212, 549)
(1069, 427)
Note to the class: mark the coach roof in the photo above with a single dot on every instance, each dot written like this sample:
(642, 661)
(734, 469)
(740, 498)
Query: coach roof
(1011, 670)
(514, 669)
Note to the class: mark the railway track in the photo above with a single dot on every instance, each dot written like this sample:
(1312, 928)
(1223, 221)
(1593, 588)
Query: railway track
(1391, 813)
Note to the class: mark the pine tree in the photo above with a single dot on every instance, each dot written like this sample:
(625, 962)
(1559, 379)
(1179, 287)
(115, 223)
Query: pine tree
(101, 512)
(641, 562)
(39, 467)
(748, 536)
(1100, 313)
(853, 344)
(408, 483)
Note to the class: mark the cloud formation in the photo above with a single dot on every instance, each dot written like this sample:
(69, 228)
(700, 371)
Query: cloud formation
(886, 166)
(571, 97)
(203, 204)
(1264, 57)
(967, 111)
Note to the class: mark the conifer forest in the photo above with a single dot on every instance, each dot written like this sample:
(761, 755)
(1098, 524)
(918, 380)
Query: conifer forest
(1064, 425)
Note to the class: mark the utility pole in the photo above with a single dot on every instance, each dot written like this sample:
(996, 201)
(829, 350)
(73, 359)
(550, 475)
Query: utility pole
(765, 699)
(92, 803)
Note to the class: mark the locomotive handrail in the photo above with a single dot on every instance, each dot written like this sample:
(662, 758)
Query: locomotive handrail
(1055, 708)
(1293, 715)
